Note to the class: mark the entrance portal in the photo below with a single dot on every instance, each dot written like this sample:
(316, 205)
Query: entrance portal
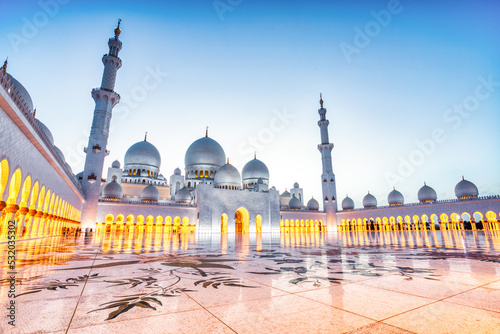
(242, 220)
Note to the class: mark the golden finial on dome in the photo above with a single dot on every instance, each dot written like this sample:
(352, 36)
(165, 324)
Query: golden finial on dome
(146, 136)
(4, 67)
(117, 30)
(206, 132)
(227, 161)
(255, 154)
(34, 112)
(321, 99)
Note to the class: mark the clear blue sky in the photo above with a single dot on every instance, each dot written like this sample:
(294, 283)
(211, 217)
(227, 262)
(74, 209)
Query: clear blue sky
(235, 65)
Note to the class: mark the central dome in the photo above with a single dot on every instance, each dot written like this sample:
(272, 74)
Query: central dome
(395, 198)
(466, 189)
(143, 153)
(205, 151)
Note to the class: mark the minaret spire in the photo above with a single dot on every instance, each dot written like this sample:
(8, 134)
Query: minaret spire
(105, 99)
(206, 132)
(327, 177)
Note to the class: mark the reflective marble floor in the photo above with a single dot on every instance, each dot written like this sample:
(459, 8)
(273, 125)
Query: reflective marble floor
(351, 282)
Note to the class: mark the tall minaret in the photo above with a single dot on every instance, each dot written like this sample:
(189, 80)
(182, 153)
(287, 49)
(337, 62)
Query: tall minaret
(105, 99)
(327, 177)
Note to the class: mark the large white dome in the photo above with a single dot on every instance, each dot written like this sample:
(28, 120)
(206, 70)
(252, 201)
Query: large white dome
(466, 189)
(227, 176)
(143, 153)
(204, 151)
(426, 194)
(253, 170)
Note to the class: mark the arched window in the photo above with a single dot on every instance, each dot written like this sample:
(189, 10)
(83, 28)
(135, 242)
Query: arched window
(206, 173)
(195, 173)
(211, 173)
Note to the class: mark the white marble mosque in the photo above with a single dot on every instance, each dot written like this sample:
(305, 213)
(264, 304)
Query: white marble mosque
(39, 190)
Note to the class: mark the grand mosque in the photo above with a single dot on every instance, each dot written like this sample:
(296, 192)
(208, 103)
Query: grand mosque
(40, 191)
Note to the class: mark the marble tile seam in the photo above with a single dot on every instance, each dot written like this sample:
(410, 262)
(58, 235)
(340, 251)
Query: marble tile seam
(208, 311)
(442, 300)
(83, 289)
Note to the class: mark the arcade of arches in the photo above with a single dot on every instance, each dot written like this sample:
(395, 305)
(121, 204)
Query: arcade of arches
(36, 209)
(455, 221)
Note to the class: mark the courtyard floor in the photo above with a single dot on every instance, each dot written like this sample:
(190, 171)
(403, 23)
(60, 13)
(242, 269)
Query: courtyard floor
(350, 282)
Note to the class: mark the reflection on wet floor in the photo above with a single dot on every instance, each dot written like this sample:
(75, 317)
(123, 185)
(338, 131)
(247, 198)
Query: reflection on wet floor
(376, 281)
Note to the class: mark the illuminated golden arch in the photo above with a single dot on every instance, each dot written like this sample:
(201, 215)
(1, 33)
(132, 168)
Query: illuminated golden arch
(34, 195)
(14, 187)
(223, 223)
(25, 192)
(177, 220)
(159, 220)
(4, 176)
(258, 223)
(287, 222)
(466, 216)
(119, 219)
(150, 220)
(444, 218)
(41, 198)
(168, 220)
(185, 221)
(46, 202)
(242, 220)
(491, 216)
(455, 217)
(140, 219)
(478, 216)
(416, 219)
(51, 205)
(109, 219)
(56, 205)
(130, 219)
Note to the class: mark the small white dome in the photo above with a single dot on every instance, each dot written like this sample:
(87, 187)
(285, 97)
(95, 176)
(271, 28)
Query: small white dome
(426, 194)
(466, 189)
(59, 153)
(296, 185)
(312, 204)
(183, 196)
(25, 96)
(285, 194)
(369, 201)
(395, 198)
(253, 170)
(150, 194)
(45, 131)
(115, 164)
(227, 175)
(177, 171)
(112, 190)
(294, 204)
(142, 153)
(347, 203)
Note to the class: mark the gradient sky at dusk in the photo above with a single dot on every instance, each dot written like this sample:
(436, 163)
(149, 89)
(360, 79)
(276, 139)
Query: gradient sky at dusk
(240, 70)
